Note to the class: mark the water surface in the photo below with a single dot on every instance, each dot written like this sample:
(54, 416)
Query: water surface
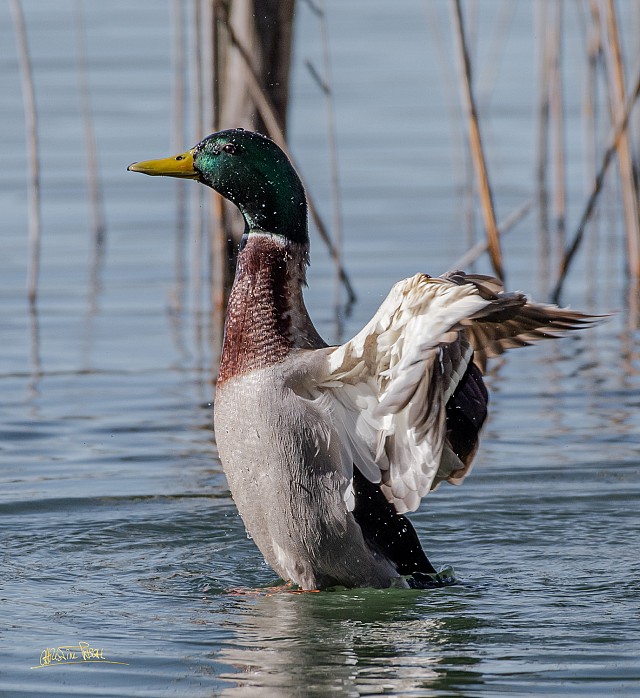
(116, 524)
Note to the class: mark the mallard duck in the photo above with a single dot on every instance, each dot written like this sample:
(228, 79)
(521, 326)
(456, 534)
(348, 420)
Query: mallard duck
(326, 448)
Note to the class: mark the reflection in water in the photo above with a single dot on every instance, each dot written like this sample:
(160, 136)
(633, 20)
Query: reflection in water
(633, 299)
(95, 284)
(36, 362)
(116, 516)
(352, 643)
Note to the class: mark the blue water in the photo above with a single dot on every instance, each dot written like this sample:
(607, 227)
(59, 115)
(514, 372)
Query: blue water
(116, 524)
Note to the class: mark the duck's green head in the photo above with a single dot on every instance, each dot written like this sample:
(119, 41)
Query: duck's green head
(251, 171)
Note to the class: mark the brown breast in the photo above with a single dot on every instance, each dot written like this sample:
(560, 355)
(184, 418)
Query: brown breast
(265, 307)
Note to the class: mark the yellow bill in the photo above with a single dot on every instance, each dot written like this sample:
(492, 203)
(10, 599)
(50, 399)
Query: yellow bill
(176, 166)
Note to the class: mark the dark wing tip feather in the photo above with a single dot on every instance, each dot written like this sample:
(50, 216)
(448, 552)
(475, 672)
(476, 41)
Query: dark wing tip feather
(511, 320)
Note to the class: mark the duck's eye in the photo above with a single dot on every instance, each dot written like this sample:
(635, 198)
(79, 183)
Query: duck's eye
(230, 148)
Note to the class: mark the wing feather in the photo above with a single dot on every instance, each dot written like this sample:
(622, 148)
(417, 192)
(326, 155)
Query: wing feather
(386, 390)
(510, 320)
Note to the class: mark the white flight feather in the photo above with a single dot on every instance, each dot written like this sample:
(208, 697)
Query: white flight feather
(385, 390)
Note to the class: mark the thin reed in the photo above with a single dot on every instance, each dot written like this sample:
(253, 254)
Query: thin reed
(475, 140)
(324, 82)
(619, 131)
(33, 155)
(223, 53)
(628, 182)
(604, 51)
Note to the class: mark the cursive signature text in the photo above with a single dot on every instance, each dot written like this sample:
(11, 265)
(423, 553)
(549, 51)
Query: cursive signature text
(72, 654)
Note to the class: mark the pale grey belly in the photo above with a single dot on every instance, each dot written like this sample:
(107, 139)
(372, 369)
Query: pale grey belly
(286, 484)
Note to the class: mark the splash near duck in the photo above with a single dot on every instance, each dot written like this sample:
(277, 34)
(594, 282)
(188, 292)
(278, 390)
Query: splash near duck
(327, 448)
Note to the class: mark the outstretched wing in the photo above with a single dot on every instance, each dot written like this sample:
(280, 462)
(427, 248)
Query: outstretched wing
(386, 391)
(510, 320)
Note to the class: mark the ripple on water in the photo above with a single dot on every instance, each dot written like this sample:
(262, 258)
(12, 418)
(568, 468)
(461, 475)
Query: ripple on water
(115, 519)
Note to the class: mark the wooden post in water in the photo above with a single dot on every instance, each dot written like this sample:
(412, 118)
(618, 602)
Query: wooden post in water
(264, 28)
(274, 125)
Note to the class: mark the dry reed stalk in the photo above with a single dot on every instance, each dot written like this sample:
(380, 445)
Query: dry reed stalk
(332, 136)
(619, 131)
(219, 268)
(220, 283)
(206, 50)
(96, 203)
(218, 241)
(217, 17)
(556, 107)
(461, 154)
(177, 144)
(179, 72)
(33, 158)
(198, 219)
(275, 128)
(325, 84)
(625, 162)
(591, 31)
(475, 143)
(198, 64)
(635, 123)
(93, 176)
(213, 256)
(472, 254)
(542, 148)
(489, 76)
(594, 53)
